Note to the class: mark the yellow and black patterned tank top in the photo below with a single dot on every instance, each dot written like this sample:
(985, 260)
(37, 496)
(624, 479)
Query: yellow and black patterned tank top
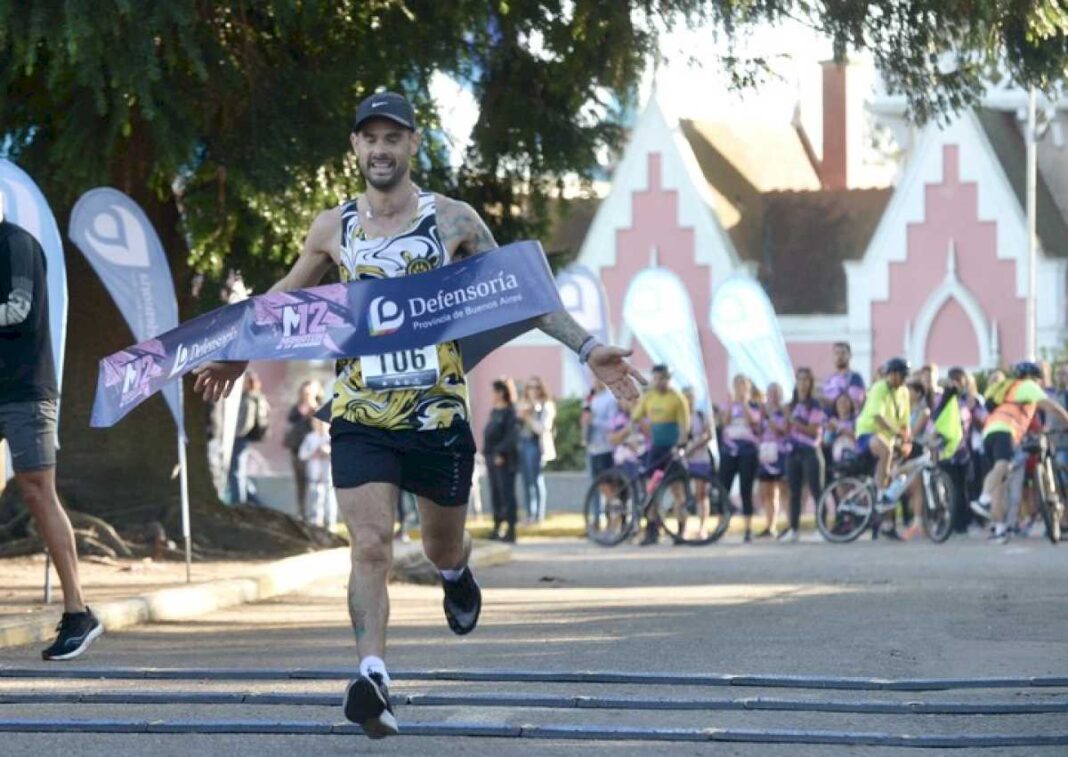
(418, 249)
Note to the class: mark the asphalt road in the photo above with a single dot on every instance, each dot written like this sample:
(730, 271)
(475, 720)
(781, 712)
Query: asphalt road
(877, 611)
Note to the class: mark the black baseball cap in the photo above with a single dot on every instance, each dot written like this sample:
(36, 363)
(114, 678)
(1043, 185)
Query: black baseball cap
(389, 105)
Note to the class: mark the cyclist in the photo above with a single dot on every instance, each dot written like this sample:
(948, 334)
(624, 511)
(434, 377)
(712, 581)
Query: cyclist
(884, 421)
(666, 414)
(1017, 400)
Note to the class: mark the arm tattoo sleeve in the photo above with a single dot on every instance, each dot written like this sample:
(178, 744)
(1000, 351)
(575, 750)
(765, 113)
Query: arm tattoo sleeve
(459, 221)
(17, 308)
(563, 328)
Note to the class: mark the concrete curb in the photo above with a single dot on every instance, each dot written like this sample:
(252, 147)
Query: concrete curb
(275, 579)
(413, 567)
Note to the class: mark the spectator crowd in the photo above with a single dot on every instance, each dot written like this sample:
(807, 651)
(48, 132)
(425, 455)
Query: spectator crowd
(774, 453)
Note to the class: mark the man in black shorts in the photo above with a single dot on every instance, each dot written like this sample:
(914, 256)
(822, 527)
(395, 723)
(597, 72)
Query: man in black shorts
(28, 396)
(418, 438)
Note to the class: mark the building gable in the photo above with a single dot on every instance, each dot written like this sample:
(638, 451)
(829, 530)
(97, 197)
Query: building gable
(954, 193)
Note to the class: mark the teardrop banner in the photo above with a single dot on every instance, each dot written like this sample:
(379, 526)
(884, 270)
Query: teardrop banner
(123, 248)
(744, 320)
(483, 301)
(658, 311)
(583, 296)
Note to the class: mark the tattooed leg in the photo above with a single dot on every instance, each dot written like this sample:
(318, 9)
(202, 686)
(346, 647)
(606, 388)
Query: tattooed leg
(369, 512)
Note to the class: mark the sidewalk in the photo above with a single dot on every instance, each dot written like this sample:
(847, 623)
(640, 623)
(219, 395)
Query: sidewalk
(124, 593)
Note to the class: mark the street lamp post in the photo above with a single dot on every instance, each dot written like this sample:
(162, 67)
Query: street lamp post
(1032, 238)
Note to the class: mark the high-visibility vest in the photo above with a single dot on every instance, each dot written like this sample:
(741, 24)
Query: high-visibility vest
(1017, 415)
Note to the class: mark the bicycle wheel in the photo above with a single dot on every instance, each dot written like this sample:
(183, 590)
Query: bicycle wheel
(936, 514)
(611, 507)
(690, 509)
(845, 509)
(1049, 505)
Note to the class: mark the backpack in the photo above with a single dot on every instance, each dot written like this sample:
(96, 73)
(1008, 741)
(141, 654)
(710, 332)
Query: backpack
(995, 395)
(262, 420)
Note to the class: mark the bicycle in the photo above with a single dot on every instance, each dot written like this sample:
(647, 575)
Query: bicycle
(1049, 482)
(620, 497)
(848, 505)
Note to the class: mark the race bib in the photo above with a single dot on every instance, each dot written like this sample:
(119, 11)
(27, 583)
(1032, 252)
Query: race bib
(404, 369)
(738, 431)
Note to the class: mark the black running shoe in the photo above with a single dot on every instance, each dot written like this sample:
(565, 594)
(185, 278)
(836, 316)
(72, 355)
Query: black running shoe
(463, 602)
(367, 704)
(76, 632)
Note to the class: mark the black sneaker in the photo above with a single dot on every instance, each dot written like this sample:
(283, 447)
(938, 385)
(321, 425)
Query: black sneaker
(76, 632)
(462, 603)
(367, 704)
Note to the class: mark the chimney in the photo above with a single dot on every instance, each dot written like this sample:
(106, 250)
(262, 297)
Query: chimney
(834, 168)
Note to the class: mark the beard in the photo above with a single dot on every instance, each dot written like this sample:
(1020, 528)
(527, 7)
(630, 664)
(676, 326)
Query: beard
(383, 181)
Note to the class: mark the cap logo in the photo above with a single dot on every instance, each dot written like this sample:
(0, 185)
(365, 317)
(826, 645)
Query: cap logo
(375, 105)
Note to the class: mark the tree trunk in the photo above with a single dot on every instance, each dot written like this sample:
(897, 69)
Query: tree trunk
(126, 474)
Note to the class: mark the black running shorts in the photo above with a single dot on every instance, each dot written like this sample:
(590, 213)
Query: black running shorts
(437, 465)
(998, 446)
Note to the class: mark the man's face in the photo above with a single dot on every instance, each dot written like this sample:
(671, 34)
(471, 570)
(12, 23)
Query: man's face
(661, 379)
(384, 150)
(841, 357)
(895, 379)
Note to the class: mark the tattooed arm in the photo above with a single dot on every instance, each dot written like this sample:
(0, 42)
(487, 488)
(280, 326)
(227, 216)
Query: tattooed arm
(216, 379)
(464, 234)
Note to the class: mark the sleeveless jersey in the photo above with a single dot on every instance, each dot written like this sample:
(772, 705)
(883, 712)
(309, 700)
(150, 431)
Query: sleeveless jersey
(417, 249)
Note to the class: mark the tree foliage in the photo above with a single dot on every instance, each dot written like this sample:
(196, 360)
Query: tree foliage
(238, 110)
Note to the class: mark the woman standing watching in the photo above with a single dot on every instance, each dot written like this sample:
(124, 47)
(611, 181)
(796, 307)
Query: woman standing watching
(537, 414)
(742, 422)
(500, 448)
(309, 397)
(700, 461)
(771, 484)
(804, 464)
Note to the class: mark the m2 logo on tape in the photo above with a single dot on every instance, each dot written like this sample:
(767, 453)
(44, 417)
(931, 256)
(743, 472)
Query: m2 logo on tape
(304, 318)
(136, 377)
(384, 316)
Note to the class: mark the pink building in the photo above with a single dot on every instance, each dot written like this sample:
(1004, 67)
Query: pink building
(933, 268)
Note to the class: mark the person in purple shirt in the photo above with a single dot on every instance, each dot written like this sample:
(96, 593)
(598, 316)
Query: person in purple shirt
(771, 481)
(843, 380)
(840, 436)
(804, 464)
(741, 420)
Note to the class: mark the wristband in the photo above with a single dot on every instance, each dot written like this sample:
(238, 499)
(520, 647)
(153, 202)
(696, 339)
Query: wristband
(588, 346)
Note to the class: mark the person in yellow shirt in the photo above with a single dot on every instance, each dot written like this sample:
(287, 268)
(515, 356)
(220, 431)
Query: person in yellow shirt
(664, 412)
(885, 418)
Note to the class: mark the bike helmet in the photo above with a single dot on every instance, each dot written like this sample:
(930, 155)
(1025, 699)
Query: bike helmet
(1026, 369)
(897, 365)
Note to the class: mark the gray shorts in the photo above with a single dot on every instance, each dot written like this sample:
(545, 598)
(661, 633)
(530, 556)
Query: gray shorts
(30, 431)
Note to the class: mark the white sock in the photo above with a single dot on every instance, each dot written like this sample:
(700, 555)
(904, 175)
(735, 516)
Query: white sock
(372, 664)
(452, 575)
(984, 499)
(999, 529)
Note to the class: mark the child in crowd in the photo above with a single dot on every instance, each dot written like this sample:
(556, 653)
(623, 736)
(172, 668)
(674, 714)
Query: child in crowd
(840, 435)
(315, 452)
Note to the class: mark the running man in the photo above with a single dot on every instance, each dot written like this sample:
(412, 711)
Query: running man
(28, 410)
(1005, 427)
(416, 439)
(884, 421)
